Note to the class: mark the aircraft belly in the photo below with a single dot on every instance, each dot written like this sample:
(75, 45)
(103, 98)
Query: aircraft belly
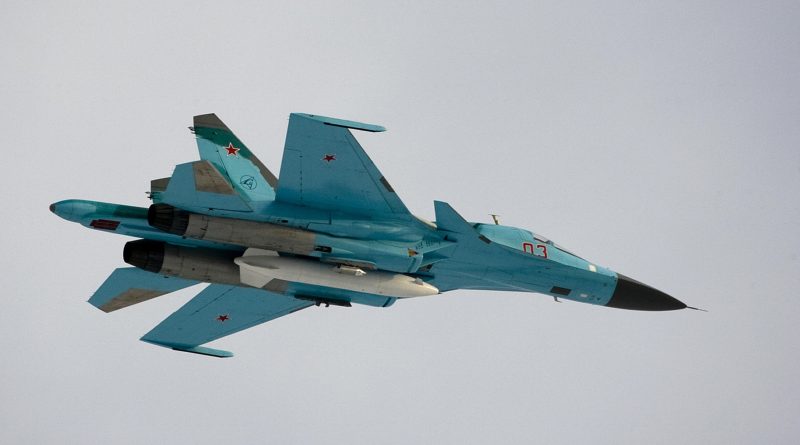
(258, 267)
(451, 275)
(526, 276)
(568, 283)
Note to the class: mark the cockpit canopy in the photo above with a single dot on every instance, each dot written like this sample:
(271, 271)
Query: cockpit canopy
(516, 238)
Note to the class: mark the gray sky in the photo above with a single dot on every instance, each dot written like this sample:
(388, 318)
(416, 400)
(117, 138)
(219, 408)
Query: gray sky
(658, 139)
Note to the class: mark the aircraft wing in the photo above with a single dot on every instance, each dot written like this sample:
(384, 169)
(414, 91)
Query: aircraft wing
(325, 167)
(217, 311)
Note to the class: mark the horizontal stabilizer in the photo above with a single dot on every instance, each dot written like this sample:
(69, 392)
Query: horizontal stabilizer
(158, 186)
(199, 186)
(127, 286)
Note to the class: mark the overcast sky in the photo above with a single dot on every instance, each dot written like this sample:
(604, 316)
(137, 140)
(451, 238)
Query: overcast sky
(660, 139)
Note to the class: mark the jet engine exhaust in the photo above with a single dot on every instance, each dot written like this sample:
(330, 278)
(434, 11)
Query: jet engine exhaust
(207, 265)
(240, 232)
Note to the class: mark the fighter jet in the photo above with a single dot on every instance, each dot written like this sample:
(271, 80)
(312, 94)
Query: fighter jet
(330, 230)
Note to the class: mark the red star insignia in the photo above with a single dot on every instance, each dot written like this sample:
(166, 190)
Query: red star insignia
(232, 151)
(222, 317)
(329, 158)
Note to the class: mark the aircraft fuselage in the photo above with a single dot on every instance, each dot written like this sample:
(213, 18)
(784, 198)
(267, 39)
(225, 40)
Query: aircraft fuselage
(331, 231)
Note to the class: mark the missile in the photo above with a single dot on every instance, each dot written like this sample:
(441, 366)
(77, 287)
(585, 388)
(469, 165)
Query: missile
(258, 267)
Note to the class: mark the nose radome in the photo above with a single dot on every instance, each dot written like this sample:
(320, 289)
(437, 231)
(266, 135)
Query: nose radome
(631, 294)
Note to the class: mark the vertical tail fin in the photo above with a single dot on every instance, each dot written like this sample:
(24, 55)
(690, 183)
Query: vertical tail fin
(218, 145)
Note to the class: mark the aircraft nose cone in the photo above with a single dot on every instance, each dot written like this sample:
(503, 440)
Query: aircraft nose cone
(631, 294)
(53, 208)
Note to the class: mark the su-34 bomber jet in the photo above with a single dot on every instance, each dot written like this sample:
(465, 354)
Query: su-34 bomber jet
(330, 230)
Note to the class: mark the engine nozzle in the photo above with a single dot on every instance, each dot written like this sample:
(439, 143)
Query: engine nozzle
(168, 218)
(144, 254)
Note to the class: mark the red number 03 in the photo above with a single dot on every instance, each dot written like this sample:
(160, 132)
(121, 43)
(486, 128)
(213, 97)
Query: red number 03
(538, 249)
